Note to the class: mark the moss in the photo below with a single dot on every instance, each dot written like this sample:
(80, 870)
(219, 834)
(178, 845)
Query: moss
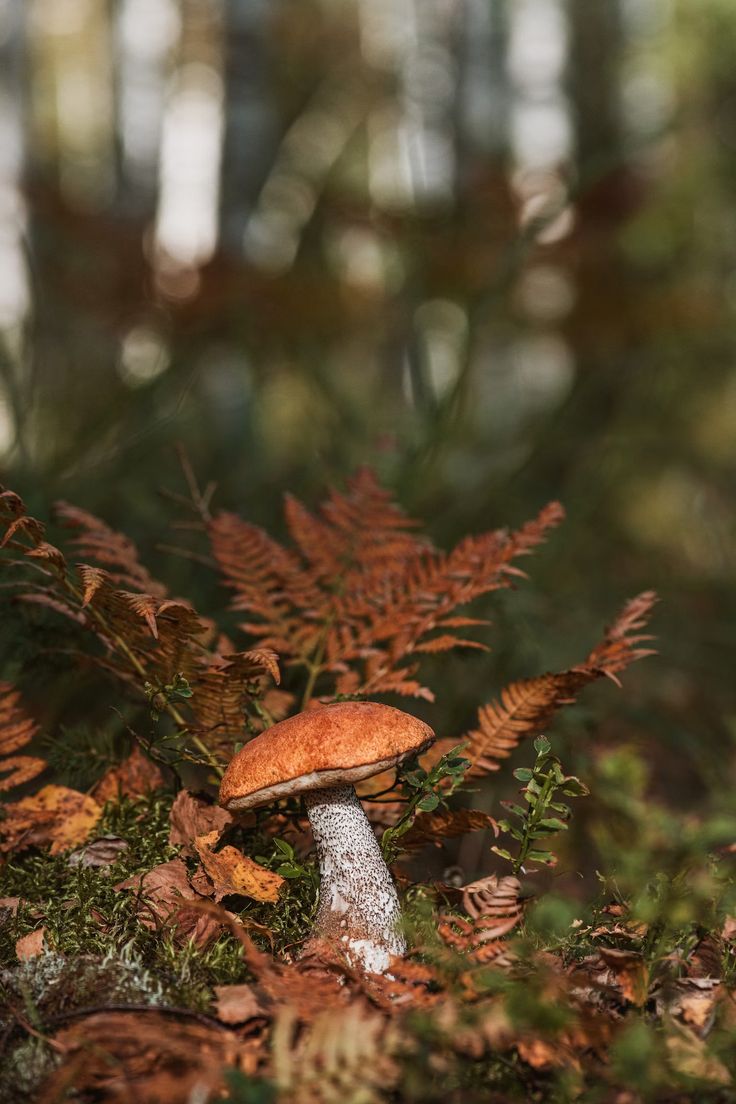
(85, 916)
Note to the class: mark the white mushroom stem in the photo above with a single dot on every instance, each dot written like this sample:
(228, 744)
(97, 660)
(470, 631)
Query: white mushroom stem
(358, 905)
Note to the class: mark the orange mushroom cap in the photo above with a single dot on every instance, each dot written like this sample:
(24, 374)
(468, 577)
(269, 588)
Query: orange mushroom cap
(328, 746)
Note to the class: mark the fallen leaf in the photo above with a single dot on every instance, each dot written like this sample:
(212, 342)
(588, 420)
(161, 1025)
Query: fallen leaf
(56, 815)
(8, 907)
(100, 852)
(540, 1054)
(28, 946)
(232, 872)
(163, 901)
(192, 816)
(693, 1001)
(630, 972)
(706, 958)
(135, 776)
(237, 1003)
(144, 1056)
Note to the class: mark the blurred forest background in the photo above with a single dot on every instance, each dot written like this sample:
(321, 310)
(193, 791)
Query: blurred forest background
(486, 247)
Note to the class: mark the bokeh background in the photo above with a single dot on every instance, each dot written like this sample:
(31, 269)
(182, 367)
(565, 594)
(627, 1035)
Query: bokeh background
(487, 247)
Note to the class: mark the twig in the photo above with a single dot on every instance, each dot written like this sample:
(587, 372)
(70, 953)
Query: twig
(92, 1010)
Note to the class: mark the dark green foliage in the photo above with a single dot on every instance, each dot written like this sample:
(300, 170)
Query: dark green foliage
(543, 782)
(425, 791)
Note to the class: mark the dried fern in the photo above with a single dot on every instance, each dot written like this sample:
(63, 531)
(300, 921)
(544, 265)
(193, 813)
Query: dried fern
(350, 1054)
(361, 597)
(492, 909)
(16, 731)
(148, 641)
(526, 707)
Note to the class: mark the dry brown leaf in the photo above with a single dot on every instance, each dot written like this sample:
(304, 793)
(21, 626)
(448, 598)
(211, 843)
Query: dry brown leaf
(135, 776)
(234, 873)
(630, 972)
(706, 958)
(693, 1001)
(8, 907)
(540, 1054)
(237, 1003)
(192, 816)
(99, 853)
(28, 946)
(56, 815)
(165, 899)
(144, 1056)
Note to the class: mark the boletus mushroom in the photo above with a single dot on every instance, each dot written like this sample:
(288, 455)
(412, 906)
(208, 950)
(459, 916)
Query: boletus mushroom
(320, 753)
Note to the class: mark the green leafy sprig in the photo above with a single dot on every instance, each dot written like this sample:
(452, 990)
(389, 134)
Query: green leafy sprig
(162, 694)
(543, 816)
(425, 791)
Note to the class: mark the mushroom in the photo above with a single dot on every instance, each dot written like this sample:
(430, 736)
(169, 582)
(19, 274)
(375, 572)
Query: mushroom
(320, 753)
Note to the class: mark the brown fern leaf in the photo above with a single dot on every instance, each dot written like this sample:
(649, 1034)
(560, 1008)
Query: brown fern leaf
(443, 824)
(18, 769)
(268, 583)
(365, 526)
(97, 542)
(526, 707)
(16, 731)
(393, 619)
(50, 553)
(407, 984)
(222, 688)
(344, 1054)
(18, 522)
(144, 606)
(147, 637)
(619, 647)
(494, 909)
(362, 594)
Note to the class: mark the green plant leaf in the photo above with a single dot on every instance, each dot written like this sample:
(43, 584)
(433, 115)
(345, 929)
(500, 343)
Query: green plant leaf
(429, 803)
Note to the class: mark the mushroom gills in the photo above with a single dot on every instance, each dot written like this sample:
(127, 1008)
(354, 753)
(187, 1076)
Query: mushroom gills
(358, 905)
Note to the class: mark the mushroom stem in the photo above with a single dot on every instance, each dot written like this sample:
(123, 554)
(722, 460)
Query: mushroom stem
(358, 904)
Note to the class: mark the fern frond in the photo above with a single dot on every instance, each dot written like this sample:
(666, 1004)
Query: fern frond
(443, 824)
(149, 641)
(526, 707)
(361, 595)
(97, 542)
(17, 730)
(343, 1054)
(492, 909)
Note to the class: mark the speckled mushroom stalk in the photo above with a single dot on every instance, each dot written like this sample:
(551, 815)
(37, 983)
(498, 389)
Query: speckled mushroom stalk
(358, 904)
(319, 754)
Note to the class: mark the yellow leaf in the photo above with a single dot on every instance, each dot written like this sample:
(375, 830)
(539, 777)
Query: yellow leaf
(232, 872)
(56, 815)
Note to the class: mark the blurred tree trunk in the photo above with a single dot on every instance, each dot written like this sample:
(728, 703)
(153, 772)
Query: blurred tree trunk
(250, 126)
(596, 43)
